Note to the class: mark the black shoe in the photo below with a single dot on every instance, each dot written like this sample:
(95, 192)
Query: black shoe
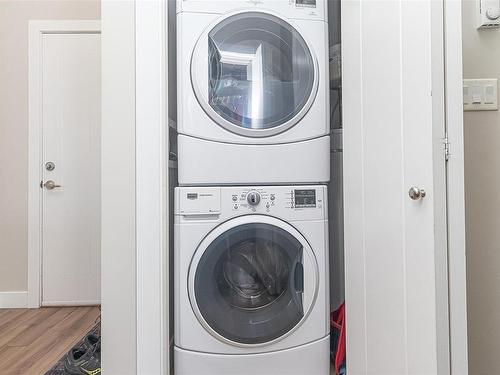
(83, 361)
(91, 340)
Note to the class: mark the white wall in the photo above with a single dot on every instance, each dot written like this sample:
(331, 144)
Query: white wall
(481, 51)
(14, 17)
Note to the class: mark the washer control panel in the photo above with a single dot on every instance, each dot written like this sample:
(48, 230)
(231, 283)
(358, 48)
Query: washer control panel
(273, 200)
(219, 203)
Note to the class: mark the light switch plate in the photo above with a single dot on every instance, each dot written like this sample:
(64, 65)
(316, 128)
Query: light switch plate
(480, 94)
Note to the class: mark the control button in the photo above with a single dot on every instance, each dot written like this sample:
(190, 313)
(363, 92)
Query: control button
(267, 205)
(235, 206)
(273, 197)
(253, 198)
(235, 197)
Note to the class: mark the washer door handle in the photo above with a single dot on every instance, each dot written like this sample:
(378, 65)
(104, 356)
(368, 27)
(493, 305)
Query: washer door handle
(299, 277)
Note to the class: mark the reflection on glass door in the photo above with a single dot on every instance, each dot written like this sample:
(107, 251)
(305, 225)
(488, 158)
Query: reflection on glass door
(261, 72)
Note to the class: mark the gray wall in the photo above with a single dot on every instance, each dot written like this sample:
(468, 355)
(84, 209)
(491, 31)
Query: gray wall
(334, 27)
(14, 17)
(481, 51)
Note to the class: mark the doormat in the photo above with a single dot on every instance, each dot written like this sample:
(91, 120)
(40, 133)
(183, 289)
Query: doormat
(58, 368)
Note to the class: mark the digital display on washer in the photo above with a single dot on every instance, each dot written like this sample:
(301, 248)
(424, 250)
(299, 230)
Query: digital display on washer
(305, 198)
(305, 3)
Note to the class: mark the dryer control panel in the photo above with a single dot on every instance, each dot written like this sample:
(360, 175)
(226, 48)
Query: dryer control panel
(290, 202)
(292, 9)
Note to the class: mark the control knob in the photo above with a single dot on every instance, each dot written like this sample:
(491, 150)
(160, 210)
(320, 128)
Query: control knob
(253, 198)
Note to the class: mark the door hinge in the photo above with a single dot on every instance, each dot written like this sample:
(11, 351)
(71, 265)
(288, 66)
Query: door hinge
(446, 143)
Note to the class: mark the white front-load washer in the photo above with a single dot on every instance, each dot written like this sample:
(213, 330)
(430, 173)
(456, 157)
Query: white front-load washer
(252, 92)
(251, 280)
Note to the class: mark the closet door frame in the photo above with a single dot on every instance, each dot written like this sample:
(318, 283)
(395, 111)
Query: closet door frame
(457, 279)
(152, 196)
(152, 203)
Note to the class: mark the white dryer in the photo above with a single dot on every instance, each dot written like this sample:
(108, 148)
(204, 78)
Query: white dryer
(251, 281)
(252, 80)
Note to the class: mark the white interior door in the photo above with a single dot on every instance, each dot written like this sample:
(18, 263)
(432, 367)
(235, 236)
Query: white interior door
(71, 184)
(395, 246)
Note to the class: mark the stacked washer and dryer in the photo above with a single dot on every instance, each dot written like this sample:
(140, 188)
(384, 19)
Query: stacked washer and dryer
(251, 267)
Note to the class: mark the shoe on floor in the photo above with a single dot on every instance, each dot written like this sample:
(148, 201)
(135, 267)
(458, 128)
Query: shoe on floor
(92, 340)
(82, 361)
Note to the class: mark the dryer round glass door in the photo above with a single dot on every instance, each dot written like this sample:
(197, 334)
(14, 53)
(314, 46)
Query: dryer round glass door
(254, 74)
(248, 284)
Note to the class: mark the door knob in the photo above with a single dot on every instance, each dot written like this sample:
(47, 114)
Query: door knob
(49, 185)
(415, 193)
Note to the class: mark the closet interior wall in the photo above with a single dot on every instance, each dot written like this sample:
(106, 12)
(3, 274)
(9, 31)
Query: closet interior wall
(335, 187)
(172, 162)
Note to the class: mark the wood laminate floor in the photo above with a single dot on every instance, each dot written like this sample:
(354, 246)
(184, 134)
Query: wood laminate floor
(33, 340)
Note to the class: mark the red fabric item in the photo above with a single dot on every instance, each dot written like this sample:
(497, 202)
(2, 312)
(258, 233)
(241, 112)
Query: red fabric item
(337, 321)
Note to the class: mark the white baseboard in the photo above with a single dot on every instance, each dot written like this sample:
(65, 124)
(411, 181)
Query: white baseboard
(13, 300)
(71, 303)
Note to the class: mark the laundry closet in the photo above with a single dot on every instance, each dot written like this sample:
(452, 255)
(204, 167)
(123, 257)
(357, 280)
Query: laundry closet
(254, 207)
(257, 188)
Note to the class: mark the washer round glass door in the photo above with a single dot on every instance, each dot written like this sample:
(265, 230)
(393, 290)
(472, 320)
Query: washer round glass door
(252, 280)
(254, 74)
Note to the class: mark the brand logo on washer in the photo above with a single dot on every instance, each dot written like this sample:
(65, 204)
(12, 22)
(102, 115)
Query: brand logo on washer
(194, 196)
